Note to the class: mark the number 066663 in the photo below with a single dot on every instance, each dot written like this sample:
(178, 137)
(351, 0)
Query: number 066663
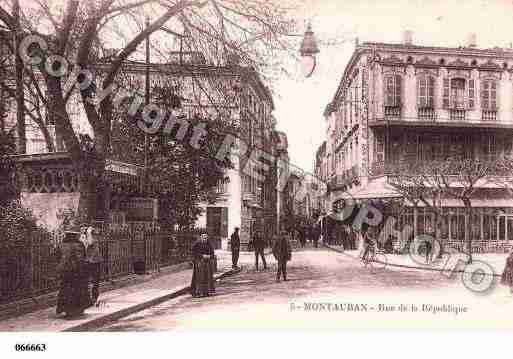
(30, 347)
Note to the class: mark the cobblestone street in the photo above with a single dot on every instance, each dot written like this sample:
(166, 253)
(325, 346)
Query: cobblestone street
(318, 279)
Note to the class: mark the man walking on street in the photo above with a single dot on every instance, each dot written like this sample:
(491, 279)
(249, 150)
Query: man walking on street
(283, 254)
(235, 247)
(259, 246)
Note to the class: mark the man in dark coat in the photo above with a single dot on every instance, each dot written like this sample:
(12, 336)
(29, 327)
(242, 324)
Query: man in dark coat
(202, 284)
(235, 247)
(259, 246)
(316, 233)
(282, 252)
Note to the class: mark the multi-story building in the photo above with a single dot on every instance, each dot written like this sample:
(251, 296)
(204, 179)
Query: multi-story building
(283, 172)
(320, 169)
(410, 103)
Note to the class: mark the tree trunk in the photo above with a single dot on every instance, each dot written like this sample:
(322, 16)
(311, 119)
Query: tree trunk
(92, 203)
(48, 138)
(468, 228)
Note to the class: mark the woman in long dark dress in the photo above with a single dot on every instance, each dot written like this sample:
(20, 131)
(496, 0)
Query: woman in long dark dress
(202, 284)
(74, 295)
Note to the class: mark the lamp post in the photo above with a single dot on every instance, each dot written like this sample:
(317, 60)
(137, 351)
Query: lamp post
(308, 52)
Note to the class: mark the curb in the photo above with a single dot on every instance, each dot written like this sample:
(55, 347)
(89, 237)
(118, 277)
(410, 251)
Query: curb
(441, 270)
(25, 306)
(103, 320)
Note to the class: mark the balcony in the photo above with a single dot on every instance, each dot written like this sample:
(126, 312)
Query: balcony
(392, 112)
(457, 115)
(427, 114)
(489, 115)
(347, 178)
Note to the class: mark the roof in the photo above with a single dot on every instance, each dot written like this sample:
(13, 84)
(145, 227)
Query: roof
(455, 50)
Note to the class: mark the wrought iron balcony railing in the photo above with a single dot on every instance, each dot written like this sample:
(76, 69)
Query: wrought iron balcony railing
(426, 114)
(489, 115)
(457, 115)
(392, 112)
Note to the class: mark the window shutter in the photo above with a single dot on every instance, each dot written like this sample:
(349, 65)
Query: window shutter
(485, 100)
(397, 101)
(388, 91)
(431, 92)
(494, 97)
(446, 93)
(471, 93)
(421, 92)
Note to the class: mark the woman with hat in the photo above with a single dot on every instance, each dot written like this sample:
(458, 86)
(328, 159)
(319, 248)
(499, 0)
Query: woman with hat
(94, 259)
(74, 295)
(202, 284)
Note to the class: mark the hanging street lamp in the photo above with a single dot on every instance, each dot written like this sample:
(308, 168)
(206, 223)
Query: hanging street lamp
(308, 52)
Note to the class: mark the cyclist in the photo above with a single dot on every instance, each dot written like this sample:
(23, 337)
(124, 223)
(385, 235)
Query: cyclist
(368, 245)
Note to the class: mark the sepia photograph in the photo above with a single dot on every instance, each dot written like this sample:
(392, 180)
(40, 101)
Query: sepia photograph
(237, 171)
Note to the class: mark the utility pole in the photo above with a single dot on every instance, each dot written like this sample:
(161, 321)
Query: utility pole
(20, 95)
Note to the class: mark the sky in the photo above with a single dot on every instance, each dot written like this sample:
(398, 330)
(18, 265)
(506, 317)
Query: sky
(300, 102)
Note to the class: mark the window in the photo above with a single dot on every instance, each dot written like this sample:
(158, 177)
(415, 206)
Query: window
(379, 148)
(489, 95)
(458, 93)
(393, 91)
(446, 92)
(471, 93)
(426, 91)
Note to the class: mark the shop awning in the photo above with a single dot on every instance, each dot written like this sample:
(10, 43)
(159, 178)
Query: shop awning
(378, 188)
(476, 202)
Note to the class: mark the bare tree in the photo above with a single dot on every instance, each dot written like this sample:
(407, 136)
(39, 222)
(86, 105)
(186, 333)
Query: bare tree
(432, 181)
(251, 30)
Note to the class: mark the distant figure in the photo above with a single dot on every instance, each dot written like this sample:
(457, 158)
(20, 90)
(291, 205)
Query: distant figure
(282, 252)
(367, 243)
(301, 235)
(235, 247)
(507, 275)
(73, 297)
(316, 233)
(259, 246)
(94, 260)
(202, 284)
(429, 250)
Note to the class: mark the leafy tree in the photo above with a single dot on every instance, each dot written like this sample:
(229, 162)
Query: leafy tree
(180, 175)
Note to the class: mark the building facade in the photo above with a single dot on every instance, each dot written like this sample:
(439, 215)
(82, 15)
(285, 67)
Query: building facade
(404, 103)
(319, 190)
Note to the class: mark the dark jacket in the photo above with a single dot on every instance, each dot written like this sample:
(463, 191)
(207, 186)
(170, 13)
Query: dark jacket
(71, 256)
(235, 241)
(258, 243)
(201, 248)
(282, 250)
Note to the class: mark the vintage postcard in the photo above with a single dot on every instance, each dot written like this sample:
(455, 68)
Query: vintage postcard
(171, 165)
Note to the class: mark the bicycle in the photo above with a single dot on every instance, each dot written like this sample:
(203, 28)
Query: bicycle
(373, 255)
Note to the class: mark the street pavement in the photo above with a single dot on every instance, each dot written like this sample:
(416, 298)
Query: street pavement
(110, 302)
(328, 290)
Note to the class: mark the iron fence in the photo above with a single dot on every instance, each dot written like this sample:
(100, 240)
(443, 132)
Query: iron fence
(28, 268)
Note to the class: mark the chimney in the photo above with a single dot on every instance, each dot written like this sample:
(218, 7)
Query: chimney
(408, 37)
(472, 40)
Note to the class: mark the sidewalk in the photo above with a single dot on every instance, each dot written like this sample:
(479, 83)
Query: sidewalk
(114, 304)
(496, 260)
